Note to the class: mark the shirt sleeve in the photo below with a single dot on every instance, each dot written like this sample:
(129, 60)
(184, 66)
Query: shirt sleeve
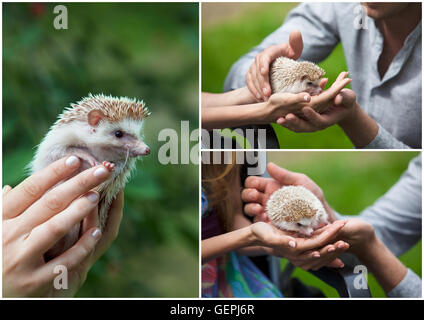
(409, 287)
(384, 140)
(318, 25)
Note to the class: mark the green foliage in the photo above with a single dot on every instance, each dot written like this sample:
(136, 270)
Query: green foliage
(148, 51)
(351, 181)
(226, 40)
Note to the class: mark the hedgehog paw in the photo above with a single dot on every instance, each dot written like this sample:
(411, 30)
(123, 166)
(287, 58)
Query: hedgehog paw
(109, 165)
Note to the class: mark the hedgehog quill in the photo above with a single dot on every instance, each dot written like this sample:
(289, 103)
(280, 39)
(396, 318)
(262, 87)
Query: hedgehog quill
(98, 129)
(295, 208)
(288, 75)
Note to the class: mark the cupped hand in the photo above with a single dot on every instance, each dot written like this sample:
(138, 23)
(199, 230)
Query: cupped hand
(257, 78)
(324, 110)
(306, 253)
(37, 213)
(281, 104)
(359, 233)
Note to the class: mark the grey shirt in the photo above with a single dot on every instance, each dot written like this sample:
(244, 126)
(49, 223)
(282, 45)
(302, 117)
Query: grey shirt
(394, 102)
(396, 218)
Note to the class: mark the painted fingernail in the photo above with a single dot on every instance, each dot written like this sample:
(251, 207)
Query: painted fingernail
(72, 161)
(101, 172)
(93, 197)
(292, 244)
(331, 249)
(96, 234)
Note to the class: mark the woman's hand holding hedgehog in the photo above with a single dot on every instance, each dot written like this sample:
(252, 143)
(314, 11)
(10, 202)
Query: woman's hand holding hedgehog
(321, 251)
(38, 212)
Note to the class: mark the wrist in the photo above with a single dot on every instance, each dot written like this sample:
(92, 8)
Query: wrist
(350, 117)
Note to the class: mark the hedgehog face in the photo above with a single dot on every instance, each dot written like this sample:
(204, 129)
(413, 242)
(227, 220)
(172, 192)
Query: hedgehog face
(123, 138)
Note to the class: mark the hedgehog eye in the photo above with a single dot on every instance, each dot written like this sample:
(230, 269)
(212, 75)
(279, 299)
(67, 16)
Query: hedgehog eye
(299, 224)
(118, 134)
(309, 83)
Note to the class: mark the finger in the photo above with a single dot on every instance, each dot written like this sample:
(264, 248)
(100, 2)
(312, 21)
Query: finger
(61, 196)
(296, 44)
(251, 86)
(342, 75)
(252, 195)
(254, 79)
(318, 241)
(282, 175)
(332, 92)
(262, 75)
(6, 190)
(270, 54)
(257, 183)
(75, 256)
(91, 221)
(328, 254)
(313, 117)
(323, 83)
(44, 236)
(296, 124)
(253, 209)
(336, 263)
(111, 229)
(33, 187)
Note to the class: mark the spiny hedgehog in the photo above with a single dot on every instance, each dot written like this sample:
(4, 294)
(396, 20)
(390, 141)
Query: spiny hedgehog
(295, 208)
(291, 76)
(98, 129)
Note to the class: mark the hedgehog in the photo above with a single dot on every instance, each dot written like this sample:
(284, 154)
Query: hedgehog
(295, 208)
(287, 75)
(98, 129)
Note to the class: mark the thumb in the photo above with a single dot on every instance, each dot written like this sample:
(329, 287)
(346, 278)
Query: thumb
(296, 44)
(283, 176)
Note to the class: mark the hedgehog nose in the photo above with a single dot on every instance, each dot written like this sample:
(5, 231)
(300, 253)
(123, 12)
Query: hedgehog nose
(147, 152)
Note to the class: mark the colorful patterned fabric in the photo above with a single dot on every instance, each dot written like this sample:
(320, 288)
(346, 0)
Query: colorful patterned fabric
(233, 275)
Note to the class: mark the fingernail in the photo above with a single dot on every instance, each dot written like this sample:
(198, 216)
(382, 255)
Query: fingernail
(340, 246)
(264, 90)
(96, 233)
(72, 161)
(101, 172)
(342, 265)
(292, 244)
(93, 197)
(316, 255)
(307, 97)
(331, 249)
(263, 70)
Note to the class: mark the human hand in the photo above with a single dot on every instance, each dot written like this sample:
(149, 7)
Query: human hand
(360, 235)
(257, 78)
(281, 104)
(324, 110)
(258, 190)
(306, 253)
(36, 214)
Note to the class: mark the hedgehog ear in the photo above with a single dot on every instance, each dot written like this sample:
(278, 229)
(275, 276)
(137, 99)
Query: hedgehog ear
(94, 116)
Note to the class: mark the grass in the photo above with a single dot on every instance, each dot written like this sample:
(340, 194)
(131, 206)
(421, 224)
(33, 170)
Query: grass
(351, 181)
(227, 36)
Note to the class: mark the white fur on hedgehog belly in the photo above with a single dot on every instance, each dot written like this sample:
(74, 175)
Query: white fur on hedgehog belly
(277, 212)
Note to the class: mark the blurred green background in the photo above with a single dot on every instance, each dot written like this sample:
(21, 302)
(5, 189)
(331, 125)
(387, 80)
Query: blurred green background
(229, 30)
(148, 51)
(351, 181)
